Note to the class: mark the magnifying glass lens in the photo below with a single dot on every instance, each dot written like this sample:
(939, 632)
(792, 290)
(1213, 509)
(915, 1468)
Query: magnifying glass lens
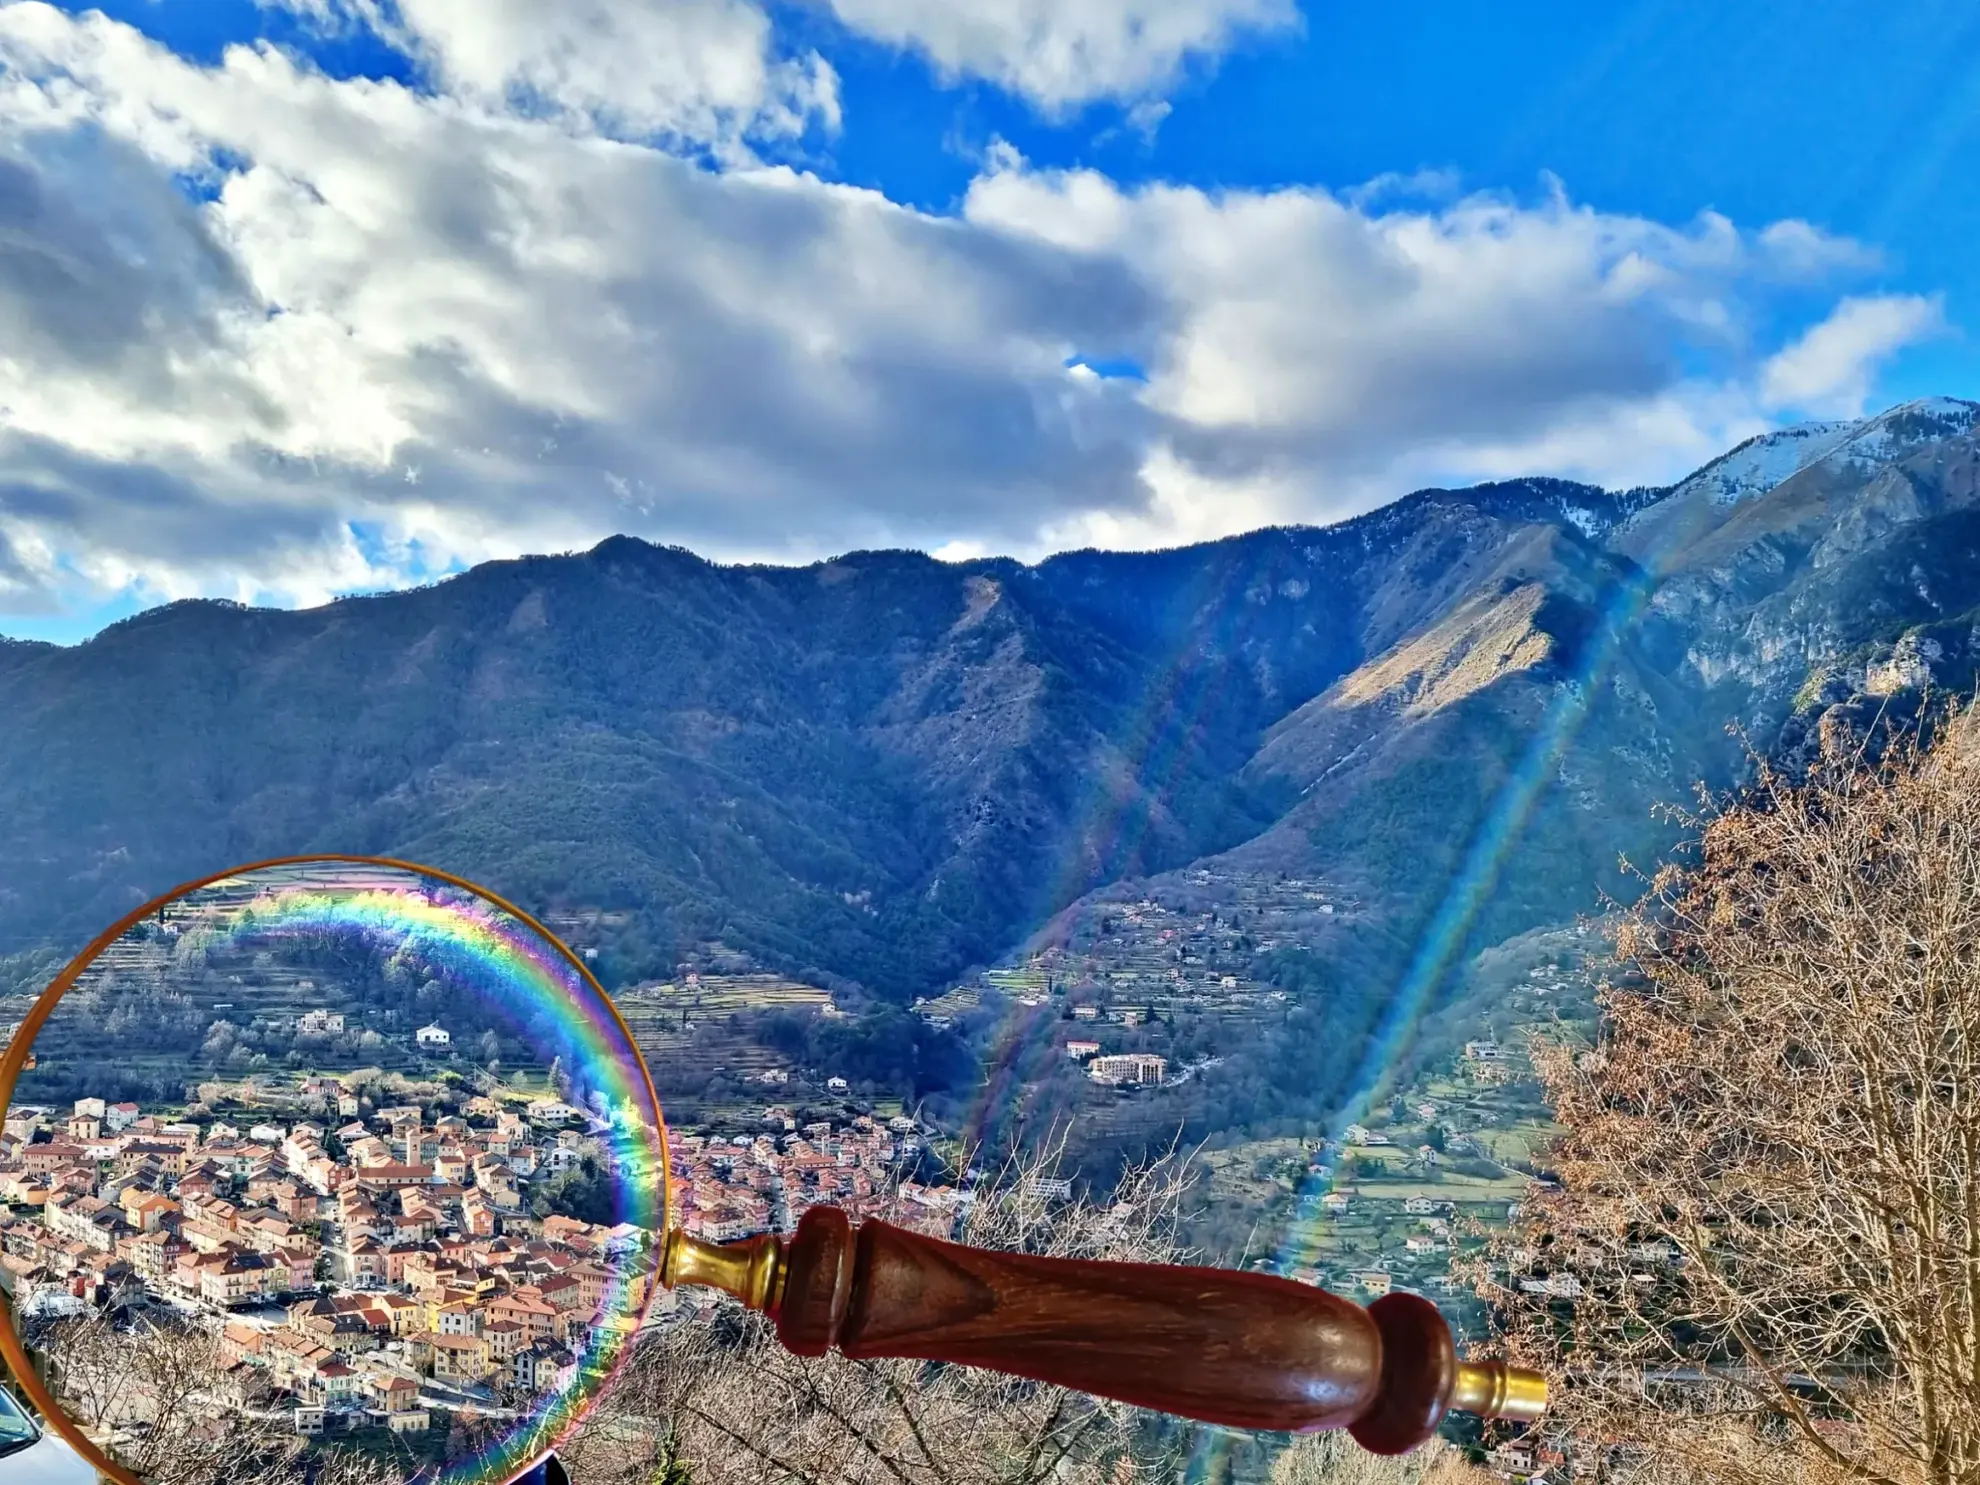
(329, 1162)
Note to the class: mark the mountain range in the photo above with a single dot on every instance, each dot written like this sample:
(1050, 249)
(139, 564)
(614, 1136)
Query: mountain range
(883, 769)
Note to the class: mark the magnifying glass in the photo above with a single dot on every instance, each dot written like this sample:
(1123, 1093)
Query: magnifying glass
(342, 1155)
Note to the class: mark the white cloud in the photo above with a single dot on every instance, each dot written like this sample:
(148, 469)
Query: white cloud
(1806, 252)
(1146, 117)
(1394, 185)
(703, 71)
(1062, 55)
(1324, 354)
(568, 335)
(709, 70)
(1186, 503)
(1830, 370)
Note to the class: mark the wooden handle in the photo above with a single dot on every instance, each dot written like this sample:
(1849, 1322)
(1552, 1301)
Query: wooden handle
(1242, 1349)
(1239, 1349)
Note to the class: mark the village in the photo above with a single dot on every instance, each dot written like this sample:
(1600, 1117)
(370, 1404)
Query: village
(371, 1266)
(1189, 943)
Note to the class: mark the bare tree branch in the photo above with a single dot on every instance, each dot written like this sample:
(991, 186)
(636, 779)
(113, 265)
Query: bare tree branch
(1763, 1261)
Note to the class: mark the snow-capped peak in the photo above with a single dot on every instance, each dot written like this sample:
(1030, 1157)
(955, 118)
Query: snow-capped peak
(1759, 464)
(1889, 434)
(1955, 410)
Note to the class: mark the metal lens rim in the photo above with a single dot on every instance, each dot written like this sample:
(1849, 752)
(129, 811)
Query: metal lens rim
(14, 1060)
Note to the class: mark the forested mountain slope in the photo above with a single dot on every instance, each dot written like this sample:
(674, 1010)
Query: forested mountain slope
(885, 768)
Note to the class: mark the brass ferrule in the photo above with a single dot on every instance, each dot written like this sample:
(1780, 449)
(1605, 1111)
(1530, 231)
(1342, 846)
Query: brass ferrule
(753, 1270)
(1491, 1389)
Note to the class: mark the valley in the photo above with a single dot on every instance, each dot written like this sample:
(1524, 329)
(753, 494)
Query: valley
(1232, 845)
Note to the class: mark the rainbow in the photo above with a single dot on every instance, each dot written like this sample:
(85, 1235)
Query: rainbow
(1022, 1029)
(1470, 888)
(534, 985)
(1112, 822)
(1492, 845)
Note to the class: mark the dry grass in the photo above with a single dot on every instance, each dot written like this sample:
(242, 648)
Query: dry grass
(1464, 654)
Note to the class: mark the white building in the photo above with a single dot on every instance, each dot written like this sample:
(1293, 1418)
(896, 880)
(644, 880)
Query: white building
(1128, 1067)
(837, 1085)
(433, 1036)
(320, 1023)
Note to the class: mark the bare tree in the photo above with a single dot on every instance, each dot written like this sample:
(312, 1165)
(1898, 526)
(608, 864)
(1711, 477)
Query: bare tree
(1334, 1459)
(1763, 1263)
(725, 1401)
(335, 1466)
(155, 1396)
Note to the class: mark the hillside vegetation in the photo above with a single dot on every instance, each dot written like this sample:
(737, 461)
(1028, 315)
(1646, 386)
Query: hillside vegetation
(875, 773)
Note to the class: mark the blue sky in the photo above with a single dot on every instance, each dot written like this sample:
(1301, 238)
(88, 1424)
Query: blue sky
(1119, 211)
(1863, 118)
